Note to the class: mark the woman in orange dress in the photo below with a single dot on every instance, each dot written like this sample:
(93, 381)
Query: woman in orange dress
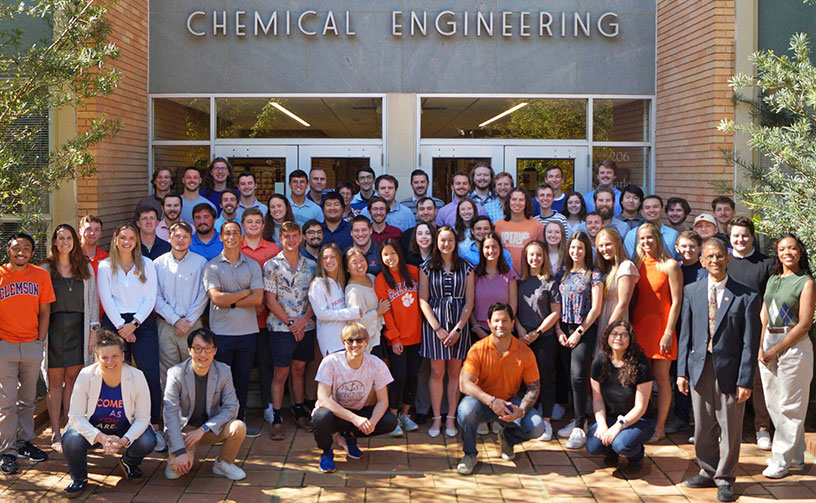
(657, 308)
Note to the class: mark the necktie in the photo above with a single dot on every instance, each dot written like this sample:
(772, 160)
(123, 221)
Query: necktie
(712, 315)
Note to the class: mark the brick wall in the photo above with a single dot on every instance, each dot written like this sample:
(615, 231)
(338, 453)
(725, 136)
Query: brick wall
(695, 59)
(122, 164)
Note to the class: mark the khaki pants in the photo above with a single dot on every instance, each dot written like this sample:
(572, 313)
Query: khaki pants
(787, 379)
(19, 371)
(232, 434)
(172, 348)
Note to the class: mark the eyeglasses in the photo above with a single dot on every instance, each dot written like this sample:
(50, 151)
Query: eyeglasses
(359, 340)
(206, 350)
(717, 258)
(620, 335)
(314, 233)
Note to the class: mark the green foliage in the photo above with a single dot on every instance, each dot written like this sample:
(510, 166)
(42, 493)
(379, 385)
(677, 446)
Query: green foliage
(62, 71)
(782, 191)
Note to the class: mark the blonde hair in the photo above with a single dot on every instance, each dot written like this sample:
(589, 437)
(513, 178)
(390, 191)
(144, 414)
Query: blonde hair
(353, 329)
(562, 246)
(138, 262)
(609, 267)
(660, 251)
(321, 273)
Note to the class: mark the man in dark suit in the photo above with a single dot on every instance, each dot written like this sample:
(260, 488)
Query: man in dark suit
(716, 355)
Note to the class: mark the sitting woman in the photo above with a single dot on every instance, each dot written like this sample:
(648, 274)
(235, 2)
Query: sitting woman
(621, 386)
(344, 382)
(110, 407)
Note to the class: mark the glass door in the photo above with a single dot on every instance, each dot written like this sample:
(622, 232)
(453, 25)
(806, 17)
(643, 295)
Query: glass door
(528, 165)
(442, 161)
(340, 162)
(271, 165)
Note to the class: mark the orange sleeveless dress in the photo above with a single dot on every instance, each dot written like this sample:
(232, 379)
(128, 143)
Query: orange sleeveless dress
(652, 310)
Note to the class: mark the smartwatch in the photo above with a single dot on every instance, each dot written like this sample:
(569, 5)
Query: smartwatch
(135, 323)
(95, 326)
(622, 421)
(290, 323)
(205, 428)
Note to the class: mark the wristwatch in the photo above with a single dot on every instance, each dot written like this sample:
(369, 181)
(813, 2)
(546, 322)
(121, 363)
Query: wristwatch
(95, 326)
(290, 323)
(622, 421)
(233, 306)
(135, 323)
(205, 428)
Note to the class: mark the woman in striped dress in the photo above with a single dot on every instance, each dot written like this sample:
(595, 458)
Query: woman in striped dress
(446, 300)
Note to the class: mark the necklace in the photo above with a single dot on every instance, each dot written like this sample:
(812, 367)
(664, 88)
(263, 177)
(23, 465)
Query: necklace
(68, 283)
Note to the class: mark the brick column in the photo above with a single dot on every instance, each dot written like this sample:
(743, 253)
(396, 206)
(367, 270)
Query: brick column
(695, 59)
(122, 163)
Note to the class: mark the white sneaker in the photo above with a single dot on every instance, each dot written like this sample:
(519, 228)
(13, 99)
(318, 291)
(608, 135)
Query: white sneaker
(228, 470)
(496, 427)
(566, 431)
(548, 432)
(763, 440)
(269, 415)
(170, 474)
(483, 429)
(577, 439)
(775, 470)
(397, 432)
(558, 412)
(407, 423)
(161, 443)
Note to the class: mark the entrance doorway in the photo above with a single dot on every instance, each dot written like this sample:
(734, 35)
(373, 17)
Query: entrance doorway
(272, 165)
(526, 164)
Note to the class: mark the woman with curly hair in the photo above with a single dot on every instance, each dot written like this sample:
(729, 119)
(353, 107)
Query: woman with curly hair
(621, 385)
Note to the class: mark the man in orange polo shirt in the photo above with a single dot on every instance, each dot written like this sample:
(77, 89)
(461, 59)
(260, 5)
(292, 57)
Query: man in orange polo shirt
(491, 379)
(26, 294)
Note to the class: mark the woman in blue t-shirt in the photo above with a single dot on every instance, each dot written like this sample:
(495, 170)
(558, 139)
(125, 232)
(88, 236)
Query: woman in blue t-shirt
(110, 408)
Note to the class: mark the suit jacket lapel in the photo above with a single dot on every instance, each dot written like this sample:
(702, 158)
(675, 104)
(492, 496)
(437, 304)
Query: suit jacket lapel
(212, 381)
(189, 382)
(701, 300)
(727, 300)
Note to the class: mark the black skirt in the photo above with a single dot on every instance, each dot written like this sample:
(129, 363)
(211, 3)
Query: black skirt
(65, 338)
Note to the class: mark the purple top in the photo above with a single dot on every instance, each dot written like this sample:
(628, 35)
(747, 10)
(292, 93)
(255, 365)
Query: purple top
(489, 291)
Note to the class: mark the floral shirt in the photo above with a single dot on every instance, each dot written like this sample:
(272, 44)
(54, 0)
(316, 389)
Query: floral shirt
(576, 295)
(291, 288)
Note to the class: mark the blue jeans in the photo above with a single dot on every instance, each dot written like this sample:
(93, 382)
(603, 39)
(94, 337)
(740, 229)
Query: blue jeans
(471, 412)
(629, 442)
(238, 351)
(145, 352)
(75, 449)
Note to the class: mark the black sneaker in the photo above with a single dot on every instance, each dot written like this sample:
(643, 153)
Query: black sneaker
(75, 489)
(611, 458)
(8, 464)
(131, 472)
(32, 452)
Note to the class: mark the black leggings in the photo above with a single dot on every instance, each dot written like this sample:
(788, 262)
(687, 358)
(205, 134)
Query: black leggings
(326, 424)
(545, 349)
(578, 360)
(405, 371)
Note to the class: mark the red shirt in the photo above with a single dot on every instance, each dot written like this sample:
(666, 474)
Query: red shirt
(389, 232)
(265, 251)
(95, 260)
(403, 322)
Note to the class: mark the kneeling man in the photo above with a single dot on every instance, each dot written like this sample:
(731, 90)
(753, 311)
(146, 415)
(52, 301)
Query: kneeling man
(491, 377)
(201, 408)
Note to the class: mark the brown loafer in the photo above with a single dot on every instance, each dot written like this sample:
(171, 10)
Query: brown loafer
(304, 424)
(277, 432)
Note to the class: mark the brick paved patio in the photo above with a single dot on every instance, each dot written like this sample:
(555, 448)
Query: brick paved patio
(416, 469)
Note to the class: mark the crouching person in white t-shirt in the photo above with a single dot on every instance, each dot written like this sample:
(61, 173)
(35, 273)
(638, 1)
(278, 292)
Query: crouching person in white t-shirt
(344, 382)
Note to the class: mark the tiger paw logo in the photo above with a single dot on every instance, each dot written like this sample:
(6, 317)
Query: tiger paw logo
(407, 300)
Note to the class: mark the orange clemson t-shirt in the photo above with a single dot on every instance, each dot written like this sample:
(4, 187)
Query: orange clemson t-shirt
(21, 294)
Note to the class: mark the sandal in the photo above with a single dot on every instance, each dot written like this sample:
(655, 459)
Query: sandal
(450, 432)
(657, 437)
(56, 443)
(433, 432)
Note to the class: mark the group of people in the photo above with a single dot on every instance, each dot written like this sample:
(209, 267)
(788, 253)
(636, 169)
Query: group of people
(372, 308)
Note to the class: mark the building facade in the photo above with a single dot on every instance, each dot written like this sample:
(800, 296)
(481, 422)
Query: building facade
(400, 85)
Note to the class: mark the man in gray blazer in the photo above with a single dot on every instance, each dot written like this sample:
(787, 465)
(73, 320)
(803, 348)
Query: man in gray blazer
(201, 408)
(716, 355)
